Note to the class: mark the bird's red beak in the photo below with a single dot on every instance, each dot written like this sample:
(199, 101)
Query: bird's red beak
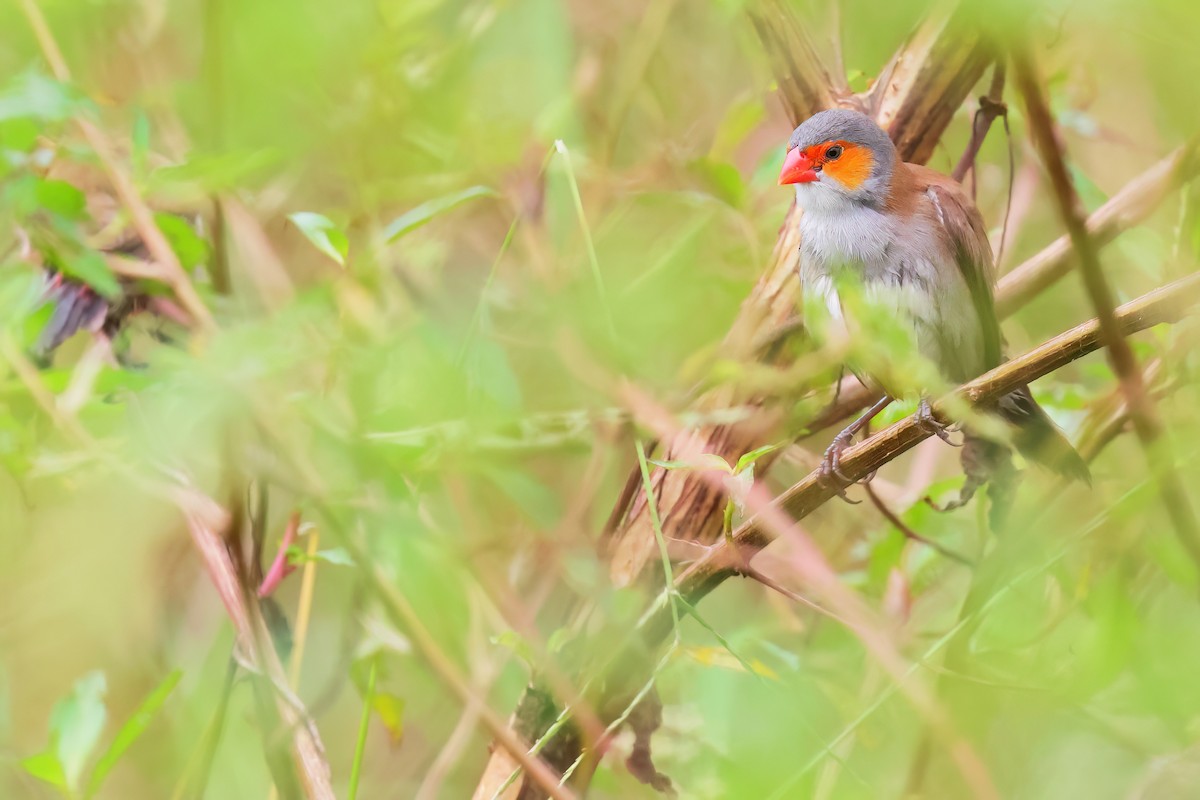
(797, 168)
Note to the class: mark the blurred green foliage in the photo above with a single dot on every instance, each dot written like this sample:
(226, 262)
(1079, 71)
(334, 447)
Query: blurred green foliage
(431, 308)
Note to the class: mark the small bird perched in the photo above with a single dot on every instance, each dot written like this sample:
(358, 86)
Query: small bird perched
(917, 246)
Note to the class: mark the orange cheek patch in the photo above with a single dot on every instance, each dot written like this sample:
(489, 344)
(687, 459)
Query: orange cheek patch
(853, 167)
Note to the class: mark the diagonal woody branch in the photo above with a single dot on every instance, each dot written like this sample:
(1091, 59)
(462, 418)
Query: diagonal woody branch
(1167, 304)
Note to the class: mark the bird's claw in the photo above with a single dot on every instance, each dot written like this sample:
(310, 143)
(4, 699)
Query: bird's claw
(926, 419)
(831, 465)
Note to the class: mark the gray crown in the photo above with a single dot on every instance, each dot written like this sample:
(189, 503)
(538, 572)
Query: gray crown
(851, 126)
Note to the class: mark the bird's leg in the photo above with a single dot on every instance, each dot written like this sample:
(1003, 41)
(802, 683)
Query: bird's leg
(831, 464)
(926, 419)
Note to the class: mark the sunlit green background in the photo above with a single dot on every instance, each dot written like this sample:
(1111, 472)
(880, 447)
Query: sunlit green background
(450, 400)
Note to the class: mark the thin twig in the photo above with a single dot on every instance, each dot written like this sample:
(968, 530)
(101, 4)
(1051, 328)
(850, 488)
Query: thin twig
(991, 106)
(1143, 412)
(908, 532)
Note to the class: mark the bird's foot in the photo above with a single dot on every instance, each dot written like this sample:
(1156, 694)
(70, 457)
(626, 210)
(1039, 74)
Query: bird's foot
(928, 421)
(831, 464)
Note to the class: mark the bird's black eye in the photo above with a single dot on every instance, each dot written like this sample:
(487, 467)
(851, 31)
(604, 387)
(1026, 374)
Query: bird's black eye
(833, 153)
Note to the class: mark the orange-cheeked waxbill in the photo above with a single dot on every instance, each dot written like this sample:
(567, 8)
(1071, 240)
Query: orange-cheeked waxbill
(918, 245)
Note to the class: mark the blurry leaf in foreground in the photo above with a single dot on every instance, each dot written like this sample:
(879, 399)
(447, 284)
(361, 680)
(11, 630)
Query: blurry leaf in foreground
(720, 657)
(378, 637)
(45, 766)
(324, 235)
(297, 555)
(411, 220)
(721, 180)
(390, 710)
(75, 726)
(215, 172)
(704, 461)
(40, 97)
(532, 496)
(514, 642)
(62, 198)
(134, 727)
(89, 267)
(190, 249)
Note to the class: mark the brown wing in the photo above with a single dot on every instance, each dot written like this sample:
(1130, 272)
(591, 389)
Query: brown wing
(966, 238)
(1036, 435)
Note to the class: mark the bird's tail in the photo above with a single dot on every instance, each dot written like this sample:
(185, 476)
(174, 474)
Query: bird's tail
(1037, 437)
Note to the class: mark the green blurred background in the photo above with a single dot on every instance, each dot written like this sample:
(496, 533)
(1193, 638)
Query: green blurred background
(448, 397)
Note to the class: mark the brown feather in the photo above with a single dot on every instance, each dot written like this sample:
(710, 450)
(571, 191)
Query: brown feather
(965, 236)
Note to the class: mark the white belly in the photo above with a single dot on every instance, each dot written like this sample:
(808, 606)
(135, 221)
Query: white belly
(900, 302)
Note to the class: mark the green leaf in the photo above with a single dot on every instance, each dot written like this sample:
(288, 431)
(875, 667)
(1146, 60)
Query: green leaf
(754, 455)
(45, 766)
(722, 180)
(558, 639)
(739, 121)
(19, 135)
(134, 727)
(423, 213)
(704, 461)
(666, 464)
(337, 555)
(91, 268)
(215, 172)
(532, 496)
(61, 198)
(379, 637)
(140, 141)
(514, 642)
(489, 370)
(390, 710)
(76, 724)
(324, 235)
(36, 96)
(190, 249)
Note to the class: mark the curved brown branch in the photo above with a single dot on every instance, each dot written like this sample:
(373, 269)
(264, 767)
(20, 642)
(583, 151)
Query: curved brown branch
(1162, 305)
